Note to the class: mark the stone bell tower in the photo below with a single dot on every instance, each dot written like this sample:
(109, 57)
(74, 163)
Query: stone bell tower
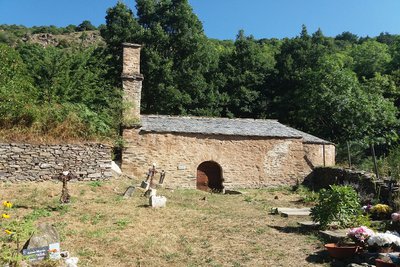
(131, 84)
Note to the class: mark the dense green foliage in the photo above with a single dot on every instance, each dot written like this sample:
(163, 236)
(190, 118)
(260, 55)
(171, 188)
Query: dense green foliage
(343, 89)
(339, 205)
(55, 91)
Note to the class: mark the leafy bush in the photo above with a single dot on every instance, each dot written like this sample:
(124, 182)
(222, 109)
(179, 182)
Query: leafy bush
(339, 204)
(307, 195)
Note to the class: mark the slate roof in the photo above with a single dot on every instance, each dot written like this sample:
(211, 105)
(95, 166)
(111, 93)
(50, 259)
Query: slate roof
(223, 126)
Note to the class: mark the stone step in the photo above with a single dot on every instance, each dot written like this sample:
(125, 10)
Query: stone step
(295, 213)
(335, 235)
(309, 224)
(286, 212)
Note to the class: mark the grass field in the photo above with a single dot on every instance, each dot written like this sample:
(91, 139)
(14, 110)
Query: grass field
(195, 229)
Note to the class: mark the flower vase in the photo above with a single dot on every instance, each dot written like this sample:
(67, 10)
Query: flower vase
(341, 252)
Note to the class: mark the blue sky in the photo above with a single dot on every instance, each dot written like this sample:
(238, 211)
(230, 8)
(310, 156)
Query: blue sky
(222, 19)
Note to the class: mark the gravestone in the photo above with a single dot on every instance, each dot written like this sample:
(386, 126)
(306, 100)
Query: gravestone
(158, 201)
(45, 234)
(45, 242)
(129, 191)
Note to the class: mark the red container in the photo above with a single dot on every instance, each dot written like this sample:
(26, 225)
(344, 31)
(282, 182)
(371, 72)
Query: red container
(341, 252)
(381, 263)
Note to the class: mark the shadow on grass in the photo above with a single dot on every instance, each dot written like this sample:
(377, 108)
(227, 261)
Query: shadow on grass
(294, 230)
(143, 206)
(303, 202)
(21, 207)
(320, 257)
(232, 192)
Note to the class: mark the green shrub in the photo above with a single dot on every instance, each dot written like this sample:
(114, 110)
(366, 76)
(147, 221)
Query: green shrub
(307, 195)
(339, 204)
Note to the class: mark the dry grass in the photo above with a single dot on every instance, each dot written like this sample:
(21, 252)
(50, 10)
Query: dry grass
(58, 135)
(103, 229)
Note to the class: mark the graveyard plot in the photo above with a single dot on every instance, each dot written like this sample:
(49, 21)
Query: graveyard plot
(196, 228)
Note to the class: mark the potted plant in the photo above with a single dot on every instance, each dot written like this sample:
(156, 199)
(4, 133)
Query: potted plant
(340, 250)
(360, 235)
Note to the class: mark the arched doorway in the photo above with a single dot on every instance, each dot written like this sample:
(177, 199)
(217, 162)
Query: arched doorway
(209, 176)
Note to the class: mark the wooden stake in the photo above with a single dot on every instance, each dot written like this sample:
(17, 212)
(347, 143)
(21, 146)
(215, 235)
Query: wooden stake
(375, 164)
(348, 153)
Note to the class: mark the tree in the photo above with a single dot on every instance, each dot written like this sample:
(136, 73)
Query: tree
(70, 28)
(121, 26)
(85, 26)
(369, 58)
(72, 84)
(296, 57)
(347, 37)
(335, 105)
(177, 58)
(246, 70)
(17, 93)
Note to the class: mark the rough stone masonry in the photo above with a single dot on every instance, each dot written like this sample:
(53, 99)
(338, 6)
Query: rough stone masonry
(28, 162)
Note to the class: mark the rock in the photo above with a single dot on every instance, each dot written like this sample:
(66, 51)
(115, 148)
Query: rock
(158, 201)
(144, 185)
(129, 191)
(153, 192)
(150, 192)
(45, 166)
(115, 168)
(94, 175)
(71, 262)
(45, 235)
(335, 235)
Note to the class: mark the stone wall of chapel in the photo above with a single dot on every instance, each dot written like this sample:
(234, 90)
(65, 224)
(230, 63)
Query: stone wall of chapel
(315, 154)
(247, 162)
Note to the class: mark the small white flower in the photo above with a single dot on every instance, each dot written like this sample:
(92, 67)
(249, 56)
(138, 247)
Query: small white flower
(384, 239)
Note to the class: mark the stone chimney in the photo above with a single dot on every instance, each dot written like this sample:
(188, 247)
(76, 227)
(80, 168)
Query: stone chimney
(131, 84)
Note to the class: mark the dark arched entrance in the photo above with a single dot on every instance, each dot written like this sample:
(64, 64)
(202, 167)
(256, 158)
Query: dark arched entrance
(209, 176)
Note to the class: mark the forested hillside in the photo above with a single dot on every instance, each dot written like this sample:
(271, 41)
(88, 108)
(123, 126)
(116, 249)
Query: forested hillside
(343, 88)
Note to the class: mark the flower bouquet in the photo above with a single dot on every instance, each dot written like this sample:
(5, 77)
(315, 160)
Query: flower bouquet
(360, 235)
(384, 242)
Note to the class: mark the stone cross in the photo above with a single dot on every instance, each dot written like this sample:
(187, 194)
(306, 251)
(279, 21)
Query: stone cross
(64, 177)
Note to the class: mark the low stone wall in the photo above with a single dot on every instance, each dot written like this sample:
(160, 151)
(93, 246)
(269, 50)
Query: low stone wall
(365, 183)
(27, 162)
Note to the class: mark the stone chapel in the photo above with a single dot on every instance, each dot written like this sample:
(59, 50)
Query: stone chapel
(213, 153)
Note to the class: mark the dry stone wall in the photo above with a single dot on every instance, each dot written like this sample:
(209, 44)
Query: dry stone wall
(365, 183)
(27, 162)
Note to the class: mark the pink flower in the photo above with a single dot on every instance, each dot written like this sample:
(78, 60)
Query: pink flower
(360, 234)
(395, 217)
